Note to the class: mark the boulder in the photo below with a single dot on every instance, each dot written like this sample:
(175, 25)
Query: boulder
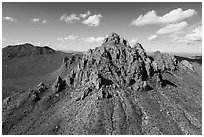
(42, 87)
(186, 65)
(59, 85)
(6, 100)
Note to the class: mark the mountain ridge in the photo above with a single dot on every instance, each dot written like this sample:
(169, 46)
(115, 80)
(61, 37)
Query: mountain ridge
(25, 49)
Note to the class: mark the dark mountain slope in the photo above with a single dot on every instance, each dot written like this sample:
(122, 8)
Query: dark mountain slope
(26, 60)
(25, 65)
(26, 49)
(112, 89)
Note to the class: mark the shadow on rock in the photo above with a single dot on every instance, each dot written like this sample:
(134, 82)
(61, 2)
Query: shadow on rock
(166, 82)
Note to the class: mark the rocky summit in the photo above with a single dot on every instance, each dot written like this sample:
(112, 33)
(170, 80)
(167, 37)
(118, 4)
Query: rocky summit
(114, 89)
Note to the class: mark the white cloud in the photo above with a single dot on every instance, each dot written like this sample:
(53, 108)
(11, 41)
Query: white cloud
(193, 36)
(149, 18)
(172, 28)
(63, 17)
(9, 19)
(178, 15)
(93, 21)
(152, 37)
(87, 39)
(44, 21)
(71, 37)
(173, 16)
(70, 19)
(35, 20)
(196, 35)
(85, 15)
(92, 39)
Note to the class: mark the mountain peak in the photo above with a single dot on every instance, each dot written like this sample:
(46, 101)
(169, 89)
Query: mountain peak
(138, 46)
(114, 38)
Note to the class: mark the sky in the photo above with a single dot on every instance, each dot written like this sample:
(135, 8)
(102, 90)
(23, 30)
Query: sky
(167, 27)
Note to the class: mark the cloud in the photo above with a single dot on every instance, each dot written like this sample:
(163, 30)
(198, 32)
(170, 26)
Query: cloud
(87, 39)
(35, 20)
(63, 17)
(93, 21)
(9, 19)
(172, 28)
(173, 16)
(71, 37)
(70, 19)
(152, 37)
(194, 36)
(85, 15)
(44, 21)
(92, 39)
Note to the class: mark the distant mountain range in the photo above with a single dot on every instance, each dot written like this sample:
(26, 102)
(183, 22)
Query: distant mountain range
(25, 50)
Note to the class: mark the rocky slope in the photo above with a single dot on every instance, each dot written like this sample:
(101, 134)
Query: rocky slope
(112, 89)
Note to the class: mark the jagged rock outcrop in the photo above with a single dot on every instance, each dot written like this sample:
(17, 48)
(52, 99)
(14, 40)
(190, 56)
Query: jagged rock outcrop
(114, 63)
(59, 85)
(164, 61)
(36, 93)
(115, 39)
(42, 87)
(186, 65)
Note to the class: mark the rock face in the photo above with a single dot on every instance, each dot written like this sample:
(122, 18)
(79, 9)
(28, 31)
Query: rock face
(42, 87)
(164, 62)
(59, 84)
(114, 63)
(116, 89)
(186, 65)
(115, 39)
